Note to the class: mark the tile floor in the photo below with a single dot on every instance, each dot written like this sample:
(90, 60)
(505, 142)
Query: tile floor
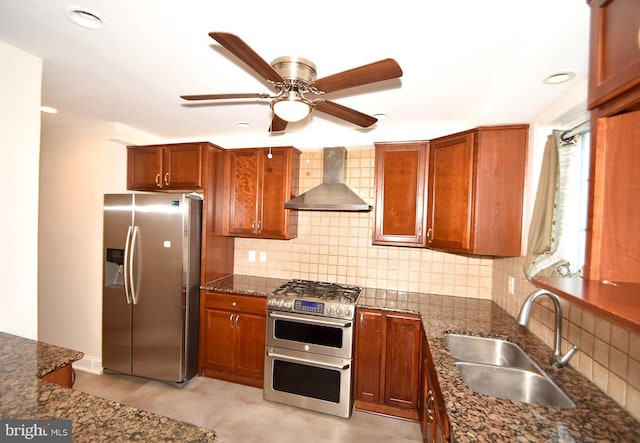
(238, 413)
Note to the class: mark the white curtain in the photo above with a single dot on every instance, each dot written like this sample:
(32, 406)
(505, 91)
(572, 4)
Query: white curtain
(551, 221)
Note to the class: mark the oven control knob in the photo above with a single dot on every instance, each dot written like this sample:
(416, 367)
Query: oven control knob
(347, 313)
(330, 310)
(338, 311)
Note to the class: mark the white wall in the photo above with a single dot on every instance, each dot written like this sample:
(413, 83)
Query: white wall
(20, 86)
(78, 166)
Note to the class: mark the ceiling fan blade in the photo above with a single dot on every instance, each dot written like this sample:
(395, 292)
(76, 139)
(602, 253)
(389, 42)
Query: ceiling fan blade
(344, 113)
(277, 124)
(374, 72)
(240, 49)
(223, 96)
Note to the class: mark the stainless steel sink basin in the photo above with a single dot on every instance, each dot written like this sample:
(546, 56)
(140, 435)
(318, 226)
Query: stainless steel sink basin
(513, 384)
(501, 369)
(489, 351)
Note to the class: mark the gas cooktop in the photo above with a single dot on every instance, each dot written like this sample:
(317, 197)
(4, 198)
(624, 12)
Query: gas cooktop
(316, 298)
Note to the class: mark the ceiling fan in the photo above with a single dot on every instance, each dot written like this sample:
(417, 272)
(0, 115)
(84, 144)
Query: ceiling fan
(295, 77)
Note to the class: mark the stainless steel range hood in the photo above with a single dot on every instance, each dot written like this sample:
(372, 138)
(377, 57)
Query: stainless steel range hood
(332, 194)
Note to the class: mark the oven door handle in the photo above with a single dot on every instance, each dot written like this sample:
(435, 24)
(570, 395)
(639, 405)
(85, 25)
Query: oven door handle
(311, 362)
(311, 320)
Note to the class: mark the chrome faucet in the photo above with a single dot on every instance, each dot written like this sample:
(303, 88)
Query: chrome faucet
(558, 360)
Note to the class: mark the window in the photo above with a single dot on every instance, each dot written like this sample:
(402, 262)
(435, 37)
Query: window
(557, 238)
(577, 197)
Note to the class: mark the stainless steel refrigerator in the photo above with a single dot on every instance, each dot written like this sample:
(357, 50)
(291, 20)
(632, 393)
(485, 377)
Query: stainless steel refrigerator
(150, 305)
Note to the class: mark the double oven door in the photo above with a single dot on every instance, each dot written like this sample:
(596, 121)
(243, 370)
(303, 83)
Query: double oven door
(308, 362)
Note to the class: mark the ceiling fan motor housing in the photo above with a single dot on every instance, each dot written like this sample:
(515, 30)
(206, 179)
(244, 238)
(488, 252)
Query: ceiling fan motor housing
(299, 71)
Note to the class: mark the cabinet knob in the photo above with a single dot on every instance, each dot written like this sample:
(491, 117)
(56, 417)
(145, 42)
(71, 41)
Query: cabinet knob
(234, 303)
(158, 180)
(166, 178)
(429, 231)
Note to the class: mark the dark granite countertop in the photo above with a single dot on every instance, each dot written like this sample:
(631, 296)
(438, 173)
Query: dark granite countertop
(23, 395)
(475, 417)
(245, 284)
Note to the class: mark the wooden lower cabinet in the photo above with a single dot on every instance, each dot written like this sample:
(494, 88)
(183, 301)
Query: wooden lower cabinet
(434, 421)
(62, 376)
(387, 362)
(232, 337)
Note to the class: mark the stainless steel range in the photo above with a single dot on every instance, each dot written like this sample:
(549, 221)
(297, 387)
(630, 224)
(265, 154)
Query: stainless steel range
(309, 340)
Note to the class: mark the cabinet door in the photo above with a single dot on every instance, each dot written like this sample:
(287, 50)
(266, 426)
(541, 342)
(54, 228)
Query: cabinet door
(218, 340)
(615, 240)
(273, 220)
(249, 345)
(402, 372)
(243, 211)
(614, 63)
(182, 166)
(144, 168)
(435, 420)
(369, 356)
(450, 208)
(400, 176)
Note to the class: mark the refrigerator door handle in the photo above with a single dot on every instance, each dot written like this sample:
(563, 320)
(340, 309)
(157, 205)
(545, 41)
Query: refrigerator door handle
(134, 237)
(127, 266)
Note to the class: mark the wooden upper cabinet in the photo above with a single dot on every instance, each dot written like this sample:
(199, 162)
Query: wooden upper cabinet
(614, 243)
(476, 191)
(614, 58)
(400, 177)
(165, 167)
(258, 187)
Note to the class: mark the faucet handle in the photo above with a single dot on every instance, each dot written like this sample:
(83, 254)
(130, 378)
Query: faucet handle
(561, 361)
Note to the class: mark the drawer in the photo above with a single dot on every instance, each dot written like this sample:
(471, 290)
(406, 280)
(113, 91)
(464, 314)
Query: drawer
(235, 302)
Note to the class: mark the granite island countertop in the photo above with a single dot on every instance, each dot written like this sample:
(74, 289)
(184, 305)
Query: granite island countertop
(475, 417)
(23, 395)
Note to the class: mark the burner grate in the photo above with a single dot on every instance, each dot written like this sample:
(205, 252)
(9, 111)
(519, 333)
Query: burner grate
(322, 290)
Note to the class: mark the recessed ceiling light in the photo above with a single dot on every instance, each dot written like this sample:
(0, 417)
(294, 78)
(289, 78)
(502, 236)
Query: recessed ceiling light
(559, 77)
(243, 125)
(48, 109)
(86, 18)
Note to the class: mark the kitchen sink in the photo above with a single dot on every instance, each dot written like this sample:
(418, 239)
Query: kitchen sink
(513, 384)
(489, 351)
(501, 369)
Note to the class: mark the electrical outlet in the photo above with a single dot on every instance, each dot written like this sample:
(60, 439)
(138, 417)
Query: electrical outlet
(512, 283)
(252, 256)
(263, 256)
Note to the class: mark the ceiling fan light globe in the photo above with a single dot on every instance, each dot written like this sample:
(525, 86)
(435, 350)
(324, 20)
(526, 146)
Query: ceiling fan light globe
(291, 110)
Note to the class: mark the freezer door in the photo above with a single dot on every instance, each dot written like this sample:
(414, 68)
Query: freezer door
(159, 293)
(116, 311)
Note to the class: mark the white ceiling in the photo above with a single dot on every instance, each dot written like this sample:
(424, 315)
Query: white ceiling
(465, 63)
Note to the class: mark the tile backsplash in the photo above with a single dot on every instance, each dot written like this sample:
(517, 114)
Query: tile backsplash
(336, 247)
(609, 355)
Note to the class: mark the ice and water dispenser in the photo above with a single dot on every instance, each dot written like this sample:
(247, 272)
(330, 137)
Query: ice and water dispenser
(114, 268)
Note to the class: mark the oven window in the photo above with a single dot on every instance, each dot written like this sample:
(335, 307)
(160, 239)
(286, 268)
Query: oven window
(307, 333)
(308, 381)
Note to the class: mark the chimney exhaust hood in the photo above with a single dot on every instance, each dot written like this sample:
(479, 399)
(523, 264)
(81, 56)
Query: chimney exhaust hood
(332, 194)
